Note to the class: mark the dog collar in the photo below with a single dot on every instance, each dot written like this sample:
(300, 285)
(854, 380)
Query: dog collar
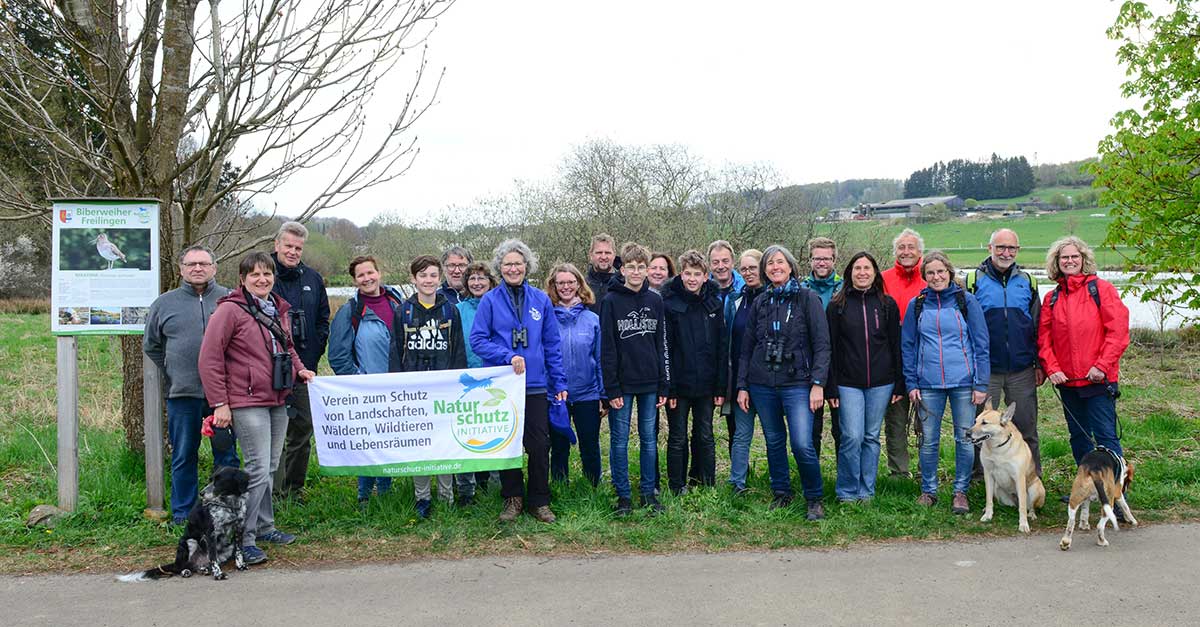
(1005, 441)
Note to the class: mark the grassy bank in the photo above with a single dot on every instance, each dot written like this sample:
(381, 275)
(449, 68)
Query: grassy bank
(1159, 410)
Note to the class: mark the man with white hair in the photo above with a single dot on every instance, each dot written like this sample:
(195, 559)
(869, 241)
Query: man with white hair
(303, 289)
(1009, 298)
(903, 282)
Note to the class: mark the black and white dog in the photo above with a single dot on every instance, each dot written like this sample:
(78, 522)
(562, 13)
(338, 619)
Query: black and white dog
(214, 530)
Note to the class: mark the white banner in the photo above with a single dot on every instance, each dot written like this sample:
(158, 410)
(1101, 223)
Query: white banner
(419, 423)
(104, 269)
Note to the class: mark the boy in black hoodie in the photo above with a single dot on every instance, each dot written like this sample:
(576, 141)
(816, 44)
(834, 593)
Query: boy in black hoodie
(697, 344)
(633, 356)
(427, 335)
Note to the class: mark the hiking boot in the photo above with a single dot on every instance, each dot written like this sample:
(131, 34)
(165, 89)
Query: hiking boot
(650, 502)
(624, 507)
(926, 499)
(816, 511)
(960, 505)
(512, 508)
(543, 514)
(253, 555)
(780, 500)
(741, 491)
(278, 537)
(424, 508)
(679, 491)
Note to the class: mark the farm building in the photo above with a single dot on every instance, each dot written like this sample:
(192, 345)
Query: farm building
(910, 207)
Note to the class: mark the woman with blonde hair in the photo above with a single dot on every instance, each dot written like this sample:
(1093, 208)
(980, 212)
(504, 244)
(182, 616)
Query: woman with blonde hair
(1082, 333)
(579, 328)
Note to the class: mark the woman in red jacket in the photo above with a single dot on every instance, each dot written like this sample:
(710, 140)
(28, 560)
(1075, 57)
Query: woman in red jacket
(247, 361)
(1083, 331)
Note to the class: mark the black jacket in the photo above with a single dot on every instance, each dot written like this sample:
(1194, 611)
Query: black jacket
(802, 337)
(633, 348)
(696, 339)
(865, 336)
(304, 289)
(599, 282)
(427, 339)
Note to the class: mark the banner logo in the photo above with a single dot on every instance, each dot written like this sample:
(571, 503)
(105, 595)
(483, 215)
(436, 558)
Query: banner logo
(483, 419)
(65, 215)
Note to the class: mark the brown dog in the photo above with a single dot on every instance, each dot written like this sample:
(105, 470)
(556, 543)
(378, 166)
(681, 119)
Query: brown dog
(1103, 476)
(1009, 473)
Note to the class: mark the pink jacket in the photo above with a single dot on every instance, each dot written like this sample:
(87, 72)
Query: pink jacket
(235, 362)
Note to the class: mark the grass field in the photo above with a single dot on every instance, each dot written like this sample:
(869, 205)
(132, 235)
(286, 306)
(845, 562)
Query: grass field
(1159, 409)
(965, 239)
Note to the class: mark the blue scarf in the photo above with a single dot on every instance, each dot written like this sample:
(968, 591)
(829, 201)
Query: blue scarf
(787, 290)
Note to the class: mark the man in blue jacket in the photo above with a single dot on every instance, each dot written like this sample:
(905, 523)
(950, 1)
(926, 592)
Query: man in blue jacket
(1009, 298)
(824, 280)
(303, 289)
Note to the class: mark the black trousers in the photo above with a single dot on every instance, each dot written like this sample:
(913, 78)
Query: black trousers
(703, 446)
(297, 444)
(835, 428)
(537, 446)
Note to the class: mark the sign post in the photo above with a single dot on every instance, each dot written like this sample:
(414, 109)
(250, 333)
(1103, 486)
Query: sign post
(104, 276)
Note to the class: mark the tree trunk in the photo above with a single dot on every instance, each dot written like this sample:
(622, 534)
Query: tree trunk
(131, 393)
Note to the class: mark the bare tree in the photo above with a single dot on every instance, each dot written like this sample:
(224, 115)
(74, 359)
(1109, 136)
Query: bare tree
(279, 86)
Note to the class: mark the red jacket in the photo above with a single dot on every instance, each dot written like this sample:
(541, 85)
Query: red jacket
(903, 284)
(1072, 337)
(235, 363)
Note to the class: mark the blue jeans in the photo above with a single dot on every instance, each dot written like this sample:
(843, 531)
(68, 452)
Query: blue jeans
(618, 449)
(739, 452)
(1095, 415)
(861, 416)
(962, 412)
(367, 484)
(774, 405)
(185, 415)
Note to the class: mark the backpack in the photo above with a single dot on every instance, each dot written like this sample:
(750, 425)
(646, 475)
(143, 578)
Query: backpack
(1093, 291)
(960, 300)
(973, 287)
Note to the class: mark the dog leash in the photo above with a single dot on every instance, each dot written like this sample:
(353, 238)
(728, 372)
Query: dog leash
(1120, 428)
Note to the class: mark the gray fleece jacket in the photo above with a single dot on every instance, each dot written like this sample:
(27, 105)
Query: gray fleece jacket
(174, 330)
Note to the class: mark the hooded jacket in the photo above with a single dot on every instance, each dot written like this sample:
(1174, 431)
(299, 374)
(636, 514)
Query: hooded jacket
(492, 336)
(174, 330)
(696, 339)
(943, 350)
(579, 329)
(865, 335)
(633, 348)
(735, 286)
(903, 284)
(466, 311)
(368, 350)
(304, 289)
(1075, 335)
(236, 366)
(825, 288)
(792, 317)
(427, 338)
(1011, 307)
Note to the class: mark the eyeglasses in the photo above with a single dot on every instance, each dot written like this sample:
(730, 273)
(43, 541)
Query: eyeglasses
(747, 269)
(513, 265)
(822, 259)
(196, 264)
(937, 272)
(566, 283)
(1070, 257)
(456, 266)
(1005, 248)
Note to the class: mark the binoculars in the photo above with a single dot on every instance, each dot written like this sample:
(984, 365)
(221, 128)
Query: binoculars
(299, 334)
(775, 355)
(282, 376)
(520, 337)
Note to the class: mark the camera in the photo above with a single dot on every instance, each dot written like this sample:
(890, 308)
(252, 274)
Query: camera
(299, 334)
(282, 376)
(520, 337)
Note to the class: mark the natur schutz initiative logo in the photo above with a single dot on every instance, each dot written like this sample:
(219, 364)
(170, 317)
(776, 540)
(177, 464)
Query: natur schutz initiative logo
(483, 419)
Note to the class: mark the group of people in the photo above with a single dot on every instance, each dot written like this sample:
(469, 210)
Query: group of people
(696, 335)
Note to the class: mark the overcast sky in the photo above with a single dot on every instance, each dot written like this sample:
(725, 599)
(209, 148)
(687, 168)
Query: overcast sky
(821, 90)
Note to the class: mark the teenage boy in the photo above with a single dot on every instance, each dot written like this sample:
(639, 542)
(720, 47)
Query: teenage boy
(633, 356)
(697, 344)
(428, 335)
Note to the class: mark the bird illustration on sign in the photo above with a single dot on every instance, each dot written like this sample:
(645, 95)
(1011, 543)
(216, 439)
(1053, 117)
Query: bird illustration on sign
(108, 250)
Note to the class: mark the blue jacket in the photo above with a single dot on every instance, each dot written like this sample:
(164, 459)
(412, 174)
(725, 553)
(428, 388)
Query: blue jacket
(466, 310)
(942, 350)
(492, 336)
(1011, 307)
(370, 344)
(824, 288)
(735, 289)
(579, 328)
